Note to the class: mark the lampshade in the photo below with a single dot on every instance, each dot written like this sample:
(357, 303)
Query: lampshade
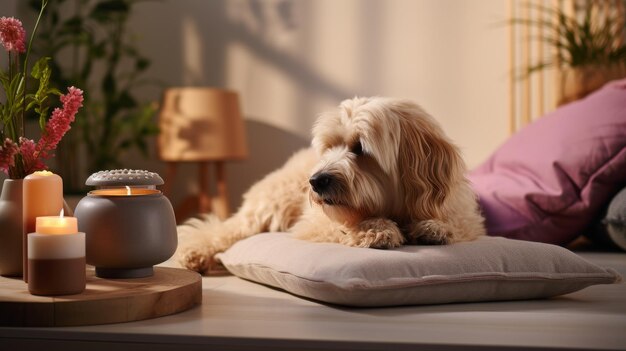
(201, 124)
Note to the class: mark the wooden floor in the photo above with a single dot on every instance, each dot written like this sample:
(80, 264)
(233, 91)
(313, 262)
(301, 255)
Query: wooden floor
(240, 315)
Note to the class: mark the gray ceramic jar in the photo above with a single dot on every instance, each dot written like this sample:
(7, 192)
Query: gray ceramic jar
(129, 225)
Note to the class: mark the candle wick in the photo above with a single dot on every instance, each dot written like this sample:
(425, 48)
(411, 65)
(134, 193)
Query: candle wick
(128, 192)
(61, 214)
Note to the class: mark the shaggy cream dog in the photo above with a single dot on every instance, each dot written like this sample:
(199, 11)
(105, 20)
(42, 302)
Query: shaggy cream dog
(381, 173)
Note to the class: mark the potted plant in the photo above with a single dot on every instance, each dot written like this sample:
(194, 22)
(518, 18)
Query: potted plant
(92, 46)
(589, 46)
(20, 155)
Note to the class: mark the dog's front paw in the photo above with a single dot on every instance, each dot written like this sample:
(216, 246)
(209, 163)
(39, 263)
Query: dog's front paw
(195, 253)
(195, 258)
(429, 232)
(376, 233)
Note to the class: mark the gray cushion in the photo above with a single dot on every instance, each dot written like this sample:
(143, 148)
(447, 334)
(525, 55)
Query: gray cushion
(615, 220)
(491, 268)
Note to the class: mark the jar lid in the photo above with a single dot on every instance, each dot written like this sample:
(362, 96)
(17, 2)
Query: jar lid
(123, 177)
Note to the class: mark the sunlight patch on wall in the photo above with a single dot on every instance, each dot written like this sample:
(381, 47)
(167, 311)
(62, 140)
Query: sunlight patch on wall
(265, 89)
(264, 61)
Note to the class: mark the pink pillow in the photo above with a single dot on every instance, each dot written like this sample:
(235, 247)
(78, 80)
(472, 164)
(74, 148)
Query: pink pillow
(550, 180)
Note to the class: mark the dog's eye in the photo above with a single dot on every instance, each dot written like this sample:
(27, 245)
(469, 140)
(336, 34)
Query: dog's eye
(357, 148)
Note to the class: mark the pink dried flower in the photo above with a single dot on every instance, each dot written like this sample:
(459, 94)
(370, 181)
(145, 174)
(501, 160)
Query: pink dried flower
(12, 34)
(8, 150)
(60, 121)
(28, 150)
(33, 154)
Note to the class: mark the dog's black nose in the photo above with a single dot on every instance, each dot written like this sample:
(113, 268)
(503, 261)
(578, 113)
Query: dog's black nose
(321, 182)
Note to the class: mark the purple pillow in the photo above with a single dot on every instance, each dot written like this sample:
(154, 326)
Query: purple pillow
(550, 180)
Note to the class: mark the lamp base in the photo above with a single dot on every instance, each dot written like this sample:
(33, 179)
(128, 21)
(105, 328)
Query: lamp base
(124, 273)
(203, 202)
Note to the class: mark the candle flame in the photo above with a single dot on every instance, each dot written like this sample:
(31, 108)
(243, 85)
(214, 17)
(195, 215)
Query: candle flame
(128, 192)
(61, 213)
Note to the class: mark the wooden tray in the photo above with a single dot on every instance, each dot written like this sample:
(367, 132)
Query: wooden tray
(168, 291)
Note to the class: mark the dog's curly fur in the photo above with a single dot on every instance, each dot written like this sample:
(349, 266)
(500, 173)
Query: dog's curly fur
(381, 173)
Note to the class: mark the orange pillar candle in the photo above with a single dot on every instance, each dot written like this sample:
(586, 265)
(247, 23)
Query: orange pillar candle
(42, 195)
(56, 257)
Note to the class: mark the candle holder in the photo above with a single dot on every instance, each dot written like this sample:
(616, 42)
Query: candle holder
(129, 225)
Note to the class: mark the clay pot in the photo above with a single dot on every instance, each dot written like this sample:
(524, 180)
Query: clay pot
(128, 228)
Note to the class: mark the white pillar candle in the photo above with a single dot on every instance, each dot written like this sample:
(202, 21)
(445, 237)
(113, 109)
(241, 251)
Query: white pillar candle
(42, 195)
(56, 257)
(57, 246)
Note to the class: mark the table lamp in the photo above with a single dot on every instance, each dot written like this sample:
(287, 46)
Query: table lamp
(201, 125)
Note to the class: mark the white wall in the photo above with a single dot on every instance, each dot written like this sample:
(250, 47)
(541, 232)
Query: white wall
(292, 59)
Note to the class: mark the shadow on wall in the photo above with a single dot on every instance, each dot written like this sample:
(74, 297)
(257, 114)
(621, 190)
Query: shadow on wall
(269, 147)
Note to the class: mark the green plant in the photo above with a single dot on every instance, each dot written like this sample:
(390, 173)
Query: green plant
(89, 44)
(583, 39)
(20, 156)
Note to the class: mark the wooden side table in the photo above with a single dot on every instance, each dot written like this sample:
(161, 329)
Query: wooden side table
(203, 201)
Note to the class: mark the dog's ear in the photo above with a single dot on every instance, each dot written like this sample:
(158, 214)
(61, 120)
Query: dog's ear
(430, 165)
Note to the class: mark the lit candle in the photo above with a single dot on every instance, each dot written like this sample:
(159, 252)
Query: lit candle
(56, 257)
(42, 195)
(125, 192)
(130, 225)
(56, 224)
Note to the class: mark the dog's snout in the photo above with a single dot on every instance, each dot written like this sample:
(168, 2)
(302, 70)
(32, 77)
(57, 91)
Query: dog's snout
(321, 182)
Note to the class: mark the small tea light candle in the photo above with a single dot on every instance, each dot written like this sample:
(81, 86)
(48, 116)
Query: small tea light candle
(56, 257)
(56, 224)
